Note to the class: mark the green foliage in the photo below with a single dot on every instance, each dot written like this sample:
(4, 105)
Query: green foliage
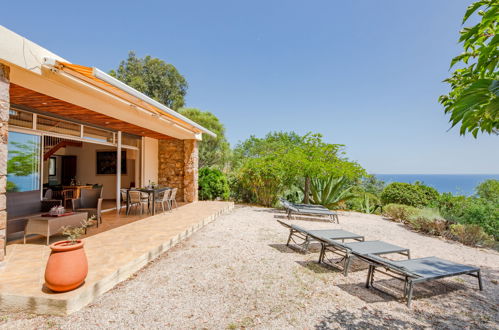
(155, 78)
(417, 195)
(372, 185)
(213, 151)
(399, 212)
(471, 210)
(367, 203)
(488, 190)
(470, 234)
(290, 159)
(264, 178)
(330, 192)
(23, 158)
(12, 187)
(428, 221)
(213, 184)
(474, 97)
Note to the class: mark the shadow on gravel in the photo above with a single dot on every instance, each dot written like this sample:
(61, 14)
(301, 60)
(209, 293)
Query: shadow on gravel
(363, 319)
(390, 289)
(313, 248)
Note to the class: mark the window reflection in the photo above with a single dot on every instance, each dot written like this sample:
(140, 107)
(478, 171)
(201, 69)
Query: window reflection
(23, 162)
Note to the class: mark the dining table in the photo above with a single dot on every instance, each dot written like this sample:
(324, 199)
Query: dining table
(152, 193)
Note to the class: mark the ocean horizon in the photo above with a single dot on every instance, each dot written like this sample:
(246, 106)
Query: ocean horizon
(457, 184)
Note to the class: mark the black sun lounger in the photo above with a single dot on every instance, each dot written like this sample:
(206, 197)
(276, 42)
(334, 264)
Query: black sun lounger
(417, 271)
(308, 209)
(302, 237)
(347, 251)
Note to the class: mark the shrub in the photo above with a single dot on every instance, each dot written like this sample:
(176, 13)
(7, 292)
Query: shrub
(399, 212)
(416, 195)
(471, 210)
(488, 190)
(213, 184)
(428, 221)
(470, 234)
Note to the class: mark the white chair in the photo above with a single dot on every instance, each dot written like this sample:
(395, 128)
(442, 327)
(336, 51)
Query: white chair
(163, 198)
(171, 198)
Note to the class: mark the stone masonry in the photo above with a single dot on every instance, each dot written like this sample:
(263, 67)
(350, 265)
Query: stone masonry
(4, 134)
(178, 167)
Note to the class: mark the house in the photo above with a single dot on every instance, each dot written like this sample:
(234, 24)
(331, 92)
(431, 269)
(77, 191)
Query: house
(66, 125)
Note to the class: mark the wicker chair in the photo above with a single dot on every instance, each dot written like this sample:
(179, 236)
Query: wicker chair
(171, 199)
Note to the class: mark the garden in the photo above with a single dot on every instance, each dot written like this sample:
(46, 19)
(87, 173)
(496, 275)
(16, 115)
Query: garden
(304, 168)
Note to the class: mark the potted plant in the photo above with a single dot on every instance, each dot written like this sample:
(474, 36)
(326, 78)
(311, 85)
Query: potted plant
(67, 265)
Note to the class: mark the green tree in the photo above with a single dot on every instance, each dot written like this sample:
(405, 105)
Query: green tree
(473, 101)
(155, 78)
(213, 184)
(213, 151)
(284, 159)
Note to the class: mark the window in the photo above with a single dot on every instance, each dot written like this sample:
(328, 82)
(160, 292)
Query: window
(55, 125)
(20, 118)
(97, 134)
(23, 162)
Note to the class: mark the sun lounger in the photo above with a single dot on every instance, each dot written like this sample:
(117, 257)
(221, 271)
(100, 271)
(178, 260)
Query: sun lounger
(308, 209)
(418, 270)
(303, 237)
(348, 251)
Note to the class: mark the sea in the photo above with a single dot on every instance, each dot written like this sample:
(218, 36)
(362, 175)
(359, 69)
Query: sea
(457, 184)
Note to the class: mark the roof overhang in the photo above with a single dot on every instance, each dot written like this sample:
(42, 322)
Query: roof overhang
(36, 68)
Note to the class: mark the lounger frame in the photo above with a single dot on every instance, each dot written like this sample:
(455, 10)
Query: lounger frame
(345, 253)
(409, 278)
(308, 209)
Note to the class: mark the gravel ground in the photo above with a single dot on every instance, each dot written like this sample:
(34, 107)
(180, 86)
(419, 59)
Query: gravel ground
(238, 273)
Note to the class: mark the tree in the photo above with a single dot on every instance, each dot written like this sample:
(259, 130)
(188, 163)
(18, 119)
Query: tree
(473, 100)
(213, 152)
(154, 77)
(280, 160)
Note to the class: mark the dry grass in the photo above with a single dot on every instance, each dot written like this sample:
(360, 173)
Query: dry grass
(237, 273)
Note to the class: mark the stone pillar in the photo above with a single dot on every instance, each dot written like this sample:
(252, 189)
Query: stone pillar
(178, 167)
(4, 134)
(191, 161)
(171, 165)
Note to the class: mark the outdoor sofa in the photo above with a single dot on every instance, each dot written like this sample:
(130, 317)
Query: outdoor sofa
(303, 237)
(415, 271)
(308, 209)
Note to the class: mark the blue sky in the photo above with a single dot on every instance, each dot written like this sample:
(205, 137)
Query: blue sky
(363, 73)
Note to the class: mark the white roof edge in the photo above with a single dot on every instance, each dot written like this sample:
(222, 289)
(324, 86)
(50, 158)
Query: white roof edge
(124, 87)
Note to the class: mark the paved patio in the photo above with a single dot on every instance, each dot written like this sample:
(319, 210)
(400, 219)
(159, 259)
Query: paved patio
(113, 256)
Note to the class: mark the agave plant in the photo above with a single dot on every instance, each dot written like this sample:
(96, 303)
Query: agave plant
(330, 192)
(368, 203)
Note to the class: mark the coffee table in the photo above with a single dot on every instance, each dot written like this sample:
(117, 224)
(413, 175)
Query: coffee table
(48, 226)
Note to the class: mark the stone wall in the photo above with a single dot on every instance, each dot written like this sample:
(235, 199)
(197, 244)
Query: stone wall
(4, 134)
(178, 167)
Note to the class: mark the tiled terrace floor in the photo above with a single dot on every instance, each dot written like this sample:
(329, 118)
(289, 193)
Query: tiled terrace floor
(117, 249)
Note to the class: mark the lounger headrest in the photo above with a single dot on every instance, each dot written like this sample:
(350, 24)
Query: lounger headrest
(333, 242)
(389, 264)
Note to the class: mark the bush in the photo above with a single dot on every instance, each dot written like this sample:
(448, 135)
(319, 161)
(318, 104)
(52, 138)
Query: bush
(428, 221)
(416, 195)
(399, 212)
(212, 184)
(471, 210)
(488, 190)
(470, 234)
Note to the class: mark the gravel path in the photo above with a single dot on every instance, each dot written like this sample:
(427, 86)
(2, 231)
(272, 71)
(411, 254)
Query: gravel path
(237, 273)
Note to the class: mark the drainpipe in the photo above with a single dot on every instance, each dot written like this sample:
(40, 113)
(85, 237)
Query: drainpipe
(118, 172)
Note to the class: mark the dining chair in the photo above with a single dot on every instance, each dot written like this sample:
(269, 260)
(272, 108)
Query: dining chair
(135, 200)
(123, 199)
(171, 198)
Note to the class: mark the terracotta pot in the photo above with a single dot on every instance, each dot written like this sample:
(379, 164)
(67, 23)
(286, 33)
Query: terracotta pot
(67, 266)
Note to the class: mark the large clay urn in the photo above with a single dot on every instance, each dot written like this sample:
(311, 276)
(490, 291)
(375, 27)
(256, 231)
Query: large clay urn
(67, 266)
